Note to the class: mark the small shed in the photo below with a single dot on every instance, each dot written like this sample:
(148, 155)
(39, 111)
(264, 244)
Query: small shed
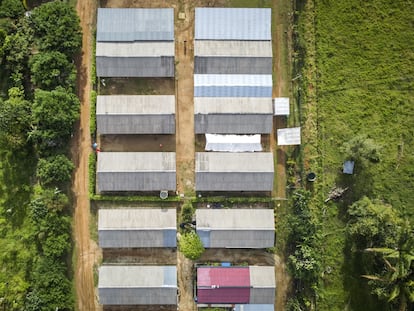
(288, 136)
(348, 167)
(135, 42)
(136, 228)
(281, 106)
(236, 228)
(232, 85)
(236, 285)
(135, 114)
(233, 115)
(232, 24)
(135, 171)
(234, 171)
(137, 285)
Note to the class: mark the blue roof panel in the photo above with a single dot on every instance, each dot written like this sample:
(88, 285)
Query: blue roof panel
(233, 91)
(232, 24)
(254, 307)
(127, 25)
(170, 276)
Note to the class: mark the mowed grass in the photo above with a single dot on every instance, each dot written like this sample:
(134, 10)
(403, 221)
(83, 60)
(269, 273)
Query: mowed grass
(365, 70)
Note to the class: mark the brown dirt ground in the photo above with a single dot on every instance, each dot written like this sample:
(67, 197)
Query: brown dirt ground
(142, 256)
(86, 251)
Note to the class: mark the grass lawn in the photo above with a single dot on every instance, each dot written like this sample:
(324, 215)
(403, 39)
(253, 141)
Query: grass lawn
(365, 85)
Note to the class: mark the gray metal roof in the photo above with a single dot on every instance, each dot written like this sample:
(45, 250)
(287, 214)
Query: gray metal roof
(136, 219)
(220, 48)
(235, 219)
(135, 49)
(136, 162)
(135, 171)
(263, 285)
(235, 105)
(132, 228)
(135, 104)
(232, 24)
(136, 124)
(241, 228)
(234, 162)
(217, 171)
(137, 285)
(254, 307)
(126, 24)
(233, 123)
(124, 67)
(232, 65)
(232, 91)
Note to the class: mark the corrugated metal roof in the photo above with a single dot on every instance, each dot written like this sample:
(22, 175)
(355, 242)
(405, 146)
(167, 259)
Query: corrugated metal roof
(124, 67)
(235, 219)
(233, 80)
(233, 91)
(219, 48)
(223, 285)
(135, 49)
(125, 238)
(281, 106)
(241, 228)
(232, 24)
(136, 124)
(254, 307)
(136, 162)
(234, 162)
(135, 104)
(233, 65)
(135, 285)
(126, 24)
(236, 105)
(135, 219)
(233, 123)
(288, 136)
(262, 276)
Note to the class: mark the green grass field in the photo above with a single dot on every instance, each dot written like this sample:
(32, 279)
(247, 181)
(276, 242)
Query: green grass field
(365, 85)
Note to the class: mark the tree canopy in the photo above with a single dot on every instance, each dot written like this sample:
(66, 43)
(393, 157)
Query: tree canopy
(191, 245)
(53, 116)
(54, 170)
(52, 69)
(56, 26)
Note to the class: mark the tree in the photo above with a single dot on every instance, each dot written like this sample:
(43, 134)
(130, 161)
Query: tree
(11, 8)
(56, 26)
(191, 245)
(395, 280)
(362, 149)
(304, 264)
(14, 119)
(53, 116)
(372, 223)
(54, 170)
(52, 69)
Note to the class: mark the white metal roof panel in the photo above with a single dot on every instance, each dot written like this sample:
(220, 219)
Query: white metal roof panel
(288, 136)
(220, 48)
(135, 219)
(235, 219)
(221, 80)
(232, 105)
(136, 162)
(135, 24)
(234, 162)
(262, 276)
(232, 24)
(281, 106)
(135, 104)
(135, 49)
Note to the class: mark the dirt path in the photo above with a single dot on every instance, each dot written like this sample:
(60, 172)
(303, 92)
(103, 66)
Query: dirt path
(86, 250)
(281, 88)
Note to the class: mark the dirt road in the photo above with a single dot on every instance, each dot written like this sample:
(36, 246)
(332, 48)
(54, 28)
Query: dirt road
(86, 250)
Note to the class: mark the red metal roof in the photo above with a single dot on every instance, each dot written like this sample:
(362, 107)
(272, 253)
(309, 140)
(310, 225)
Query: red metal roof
(223, 285)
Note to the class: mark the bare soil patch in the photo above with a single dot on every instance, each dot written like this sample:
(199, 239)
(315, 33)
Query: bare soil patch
(141, 256)
(136, 86)
(137, 143)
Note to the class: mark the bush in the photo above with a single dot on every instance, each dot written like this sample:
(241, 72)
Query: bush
(92, 173)
(191, 245)
(54, 170)
(92, 124)
(187, 212)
